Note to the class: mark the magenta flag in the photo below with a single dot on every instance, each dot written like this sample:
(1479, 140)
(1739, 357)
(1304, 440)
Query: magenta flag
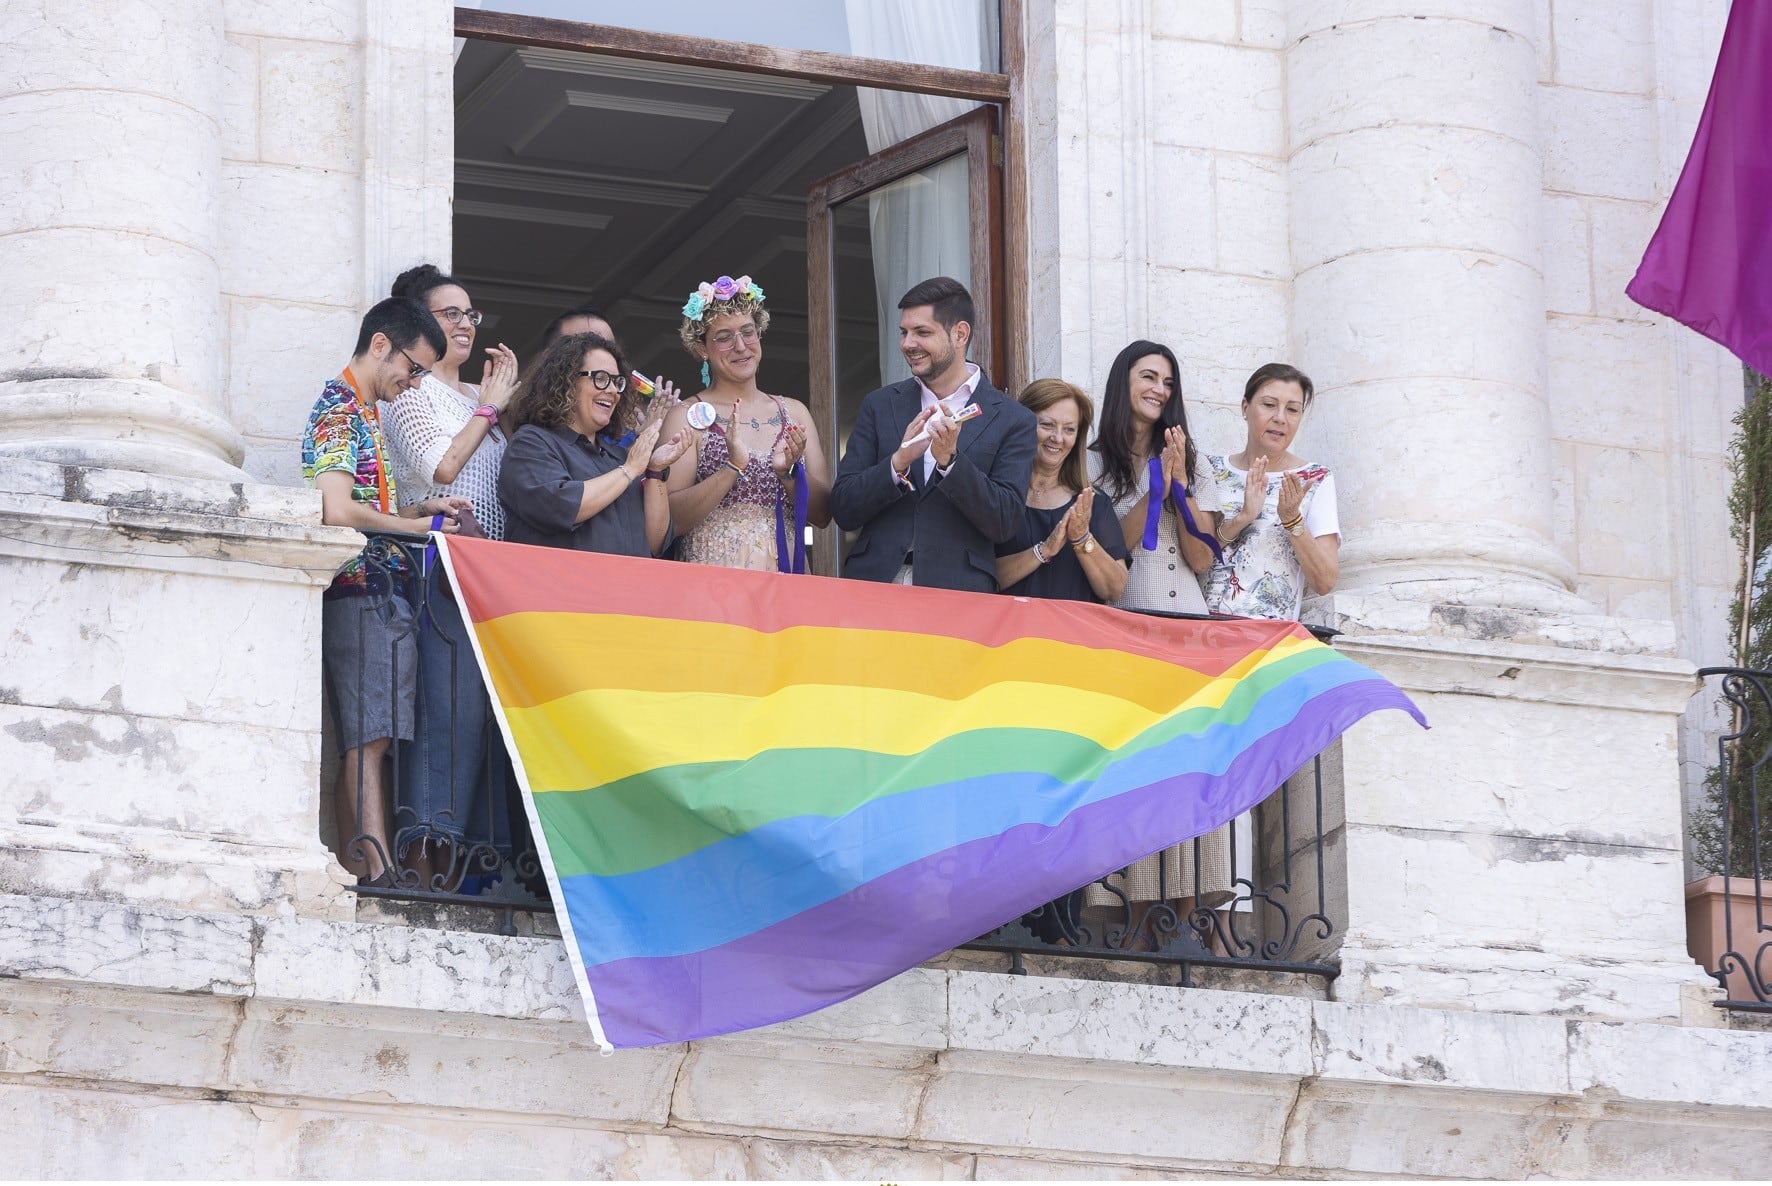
(1709, 265)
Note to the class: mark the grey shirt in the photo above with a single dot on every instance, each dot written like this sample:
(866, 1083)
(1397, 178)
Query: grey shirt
(541, 485)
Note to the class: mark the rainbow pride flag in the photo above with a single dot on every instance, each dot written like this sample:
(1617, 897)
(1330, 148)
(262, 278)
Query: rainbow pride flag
(757, 795)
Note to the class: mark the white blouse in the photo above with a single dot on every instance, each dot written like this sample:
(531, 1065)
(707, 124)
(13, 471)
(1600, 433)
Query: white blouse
(1161, 580)
(421, 424)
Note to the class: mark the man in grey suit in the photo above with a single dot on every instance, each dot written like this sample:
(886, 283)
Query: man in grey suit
(932, 512)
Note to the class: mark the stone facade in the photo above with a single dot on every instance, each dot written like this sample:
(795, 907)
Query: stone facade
(1432, 207)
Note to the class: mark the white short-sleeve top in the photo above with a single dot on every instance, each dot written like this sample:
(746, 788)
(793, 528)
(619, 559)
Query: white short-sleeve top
(1260, 576)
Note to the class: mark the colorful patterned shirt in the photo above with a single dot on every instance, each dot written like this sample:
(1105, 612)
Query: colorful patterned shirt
(1260, 576)
(341, 435)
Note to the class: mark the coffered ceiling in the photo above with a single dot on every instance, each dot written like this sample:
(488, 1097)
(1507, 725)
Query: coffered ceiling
(589, 179)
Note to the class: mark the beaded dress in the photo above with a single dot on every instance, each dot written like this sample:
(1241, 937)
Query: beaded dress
(740, 531)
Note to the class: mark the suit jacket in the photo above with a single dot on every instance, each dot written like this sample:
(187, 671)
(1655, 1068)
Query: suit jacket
(950, 525)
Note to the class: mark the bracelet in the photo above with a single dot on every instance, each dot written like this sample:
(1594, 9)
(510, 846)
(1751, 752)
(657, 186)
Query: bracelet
(623, 470)
(1294, 522)
(1081, 539)
(1219, 532)
(489, 412)
(1040, 552)
(737, 469)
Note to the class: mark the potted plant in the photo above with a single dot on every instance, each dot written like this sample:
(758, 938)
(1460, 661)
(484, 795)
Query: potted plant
(1728, 922)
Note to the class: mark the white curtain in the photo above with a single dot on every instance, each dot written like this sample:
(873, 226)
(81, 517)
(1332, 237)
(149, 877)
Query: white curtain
(919, 225)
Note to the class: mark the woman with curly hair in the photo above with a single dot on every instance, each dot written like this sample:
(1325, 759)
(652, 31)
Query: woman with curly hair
(761, 450)
(565, 482)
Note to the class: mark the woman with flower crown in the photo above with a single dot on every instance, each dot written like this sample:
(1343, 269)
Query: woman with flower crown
(760, 473)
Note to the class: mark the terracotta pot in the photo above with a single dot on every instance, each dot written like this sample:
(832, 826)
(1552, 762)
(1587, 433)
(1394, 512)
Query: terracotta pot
(1707, 906)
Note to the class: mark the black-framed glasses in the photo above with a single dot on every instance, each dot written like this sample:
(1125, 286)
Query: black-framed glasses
(604, 381)
(453, 316)
(416, 372)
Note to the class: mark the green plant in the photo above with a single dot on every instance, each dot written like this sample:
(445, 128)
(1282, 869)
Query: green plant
(1731, 815)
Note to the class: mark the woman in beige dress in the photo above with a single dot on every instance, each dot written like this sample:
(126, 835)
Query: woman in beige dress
(736, 503)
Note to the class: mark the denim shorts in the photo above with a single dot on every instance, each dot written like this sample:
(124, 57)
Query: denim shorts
(369, 654)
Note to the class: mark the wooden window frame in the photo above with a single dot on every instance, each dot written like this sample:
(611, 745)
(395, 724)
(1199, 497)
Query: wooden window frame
(1006, 89)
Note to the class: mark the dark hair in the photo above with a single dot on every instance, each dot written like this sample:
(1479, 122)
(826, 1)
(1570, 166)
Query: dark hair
(1114, 442)
(1041, 394)
(546, 396)
(551, 334)
(948, 301)
(402, 321)
(1278, 372)
(418, 283)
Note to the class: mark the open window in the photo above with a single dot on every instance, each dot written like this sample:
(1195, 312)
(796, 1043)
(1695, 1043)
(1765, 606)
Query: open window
(927, 206)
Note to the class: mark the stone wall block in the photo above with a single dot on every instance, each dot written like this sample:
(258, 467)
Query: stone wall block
(1598, 143)
(763, 1087)
(407, 967)
(909, 1010)
(1609, 382)
(138, 287)
(1220, 327)
(115, 1035)
(1203, 20)
(1425, 1047)
(1435, 72)
(1414, 1133)
(1264, 23)
(311, 97)
(1568, 263)
(1314, 16)
(1413, 187)
(239, 99)
(1580, 899)
(1622, 231)
(104, 944)
(1723, 1068)
(312, 20)
(155, 178)
(183, 775)
(1619, 544)
(1490, 312)
(97, 45)
(1251, 206)
(1227, 98)
(414, 1058)
(1081, 1109)
(129, 623)
(1553, 773)
(106, 1134)
(287, 353)
(272, 217)
(1605, 45)
(1131, 1023)
(1406, 427)
(1183, 209)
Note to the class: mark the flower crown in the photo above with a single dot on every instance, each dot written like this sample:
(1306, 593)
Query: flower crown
(725, 290)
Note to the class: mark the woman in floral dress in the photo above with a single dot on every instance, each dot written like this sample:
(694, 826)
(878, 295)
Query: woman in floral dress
(736, 505)
(1286, 538)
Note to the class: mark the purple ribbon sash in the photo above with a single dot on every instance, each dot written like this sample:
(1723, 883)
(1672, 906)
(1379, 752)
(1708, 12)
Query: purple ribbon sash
(1153, 512)
(802, 494)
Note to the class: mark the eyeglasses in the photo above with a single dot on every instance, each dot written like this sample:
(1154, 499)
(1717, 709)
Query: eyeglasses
(452, 315)
(603, 380)
(726, 337)
(416, 373)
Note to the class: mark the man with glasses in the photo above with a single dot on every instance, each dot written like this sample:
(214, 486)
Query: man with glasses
(367, 647)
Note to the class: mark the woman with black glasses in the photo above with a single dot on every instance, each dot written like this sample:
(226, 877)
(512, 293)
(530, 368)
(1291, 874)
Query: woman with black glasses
(566, 483)
(444, 432)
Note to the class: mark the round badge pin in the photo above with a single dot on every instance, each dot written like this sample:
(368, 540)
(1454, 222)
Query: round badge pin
(702, 415)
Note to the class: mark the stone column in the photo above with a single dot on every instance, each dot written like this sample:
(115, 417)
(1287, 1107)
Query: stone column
(1419, 306)
(110, 127)
(1524, 855)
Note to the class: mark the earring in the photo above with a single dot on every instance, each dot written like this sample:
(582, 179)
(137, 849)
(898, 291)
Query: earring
(707, 380)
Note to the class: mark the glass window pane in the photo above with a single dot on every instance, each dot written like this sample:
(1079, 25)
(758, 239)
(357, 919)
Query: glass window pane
(959, 33)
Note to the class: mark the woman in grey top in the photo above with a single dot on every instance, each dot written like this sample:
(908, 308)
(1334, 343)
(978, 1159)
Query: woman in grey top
(565, 482)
